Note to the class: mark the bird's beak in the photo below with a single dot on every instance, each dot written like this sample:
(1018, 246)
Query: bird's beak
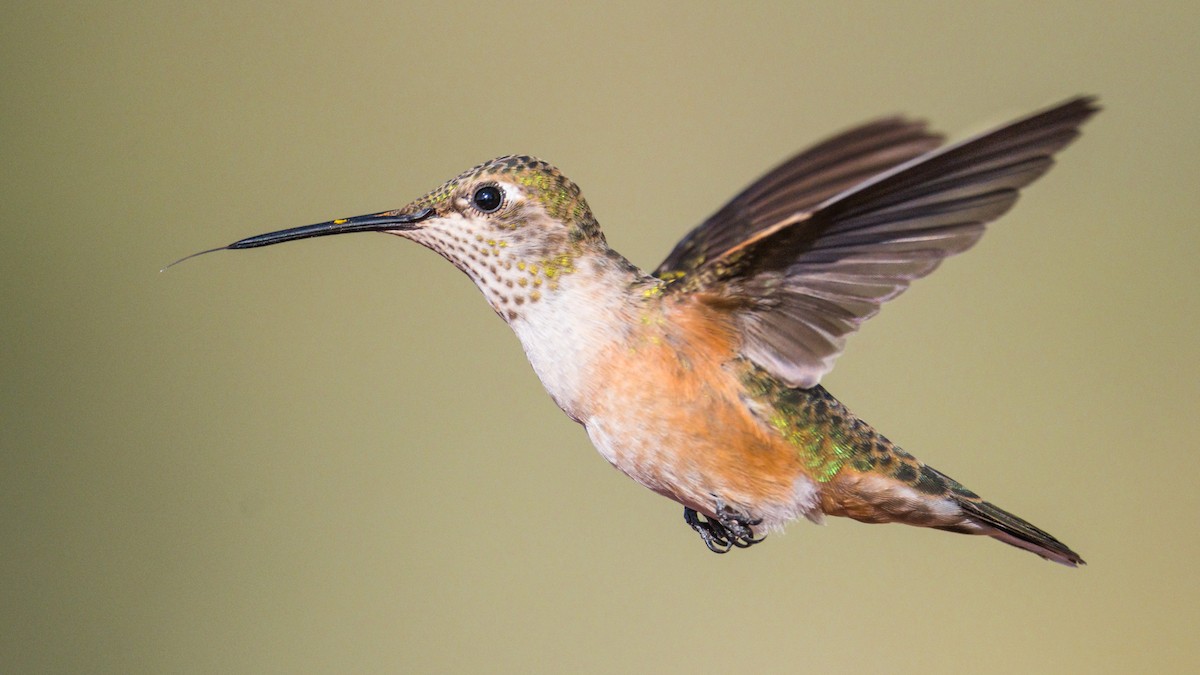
(379, 222)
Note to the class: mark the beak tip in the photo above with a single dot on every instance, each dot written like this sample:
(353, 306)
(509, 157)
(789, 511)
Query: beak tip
(380, 222)
(189, 257)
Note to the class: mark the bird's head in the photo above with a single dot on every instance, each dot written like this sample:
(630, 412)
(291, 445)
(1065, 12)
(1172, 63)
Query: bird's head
(516, 225)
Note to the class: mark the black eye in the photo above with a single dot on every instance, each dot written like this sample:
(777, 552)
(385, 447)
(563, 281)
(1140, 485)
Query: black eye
(488, 198)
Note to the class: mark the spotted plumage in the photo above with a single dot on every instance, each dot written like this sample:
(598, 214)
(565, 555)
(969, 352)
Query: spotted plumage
(701, 380)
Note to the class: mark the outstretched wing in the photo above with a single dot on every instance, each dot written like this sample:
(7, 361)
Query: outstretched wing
(799, 284)
(799, 184)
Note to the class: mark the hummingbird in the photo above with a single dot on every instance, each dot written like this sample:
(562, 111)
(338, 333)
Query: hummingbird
(701, 380)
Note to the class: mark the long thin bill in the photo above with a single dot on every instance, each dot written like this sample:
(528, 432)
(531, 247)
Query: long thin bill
(379, 222)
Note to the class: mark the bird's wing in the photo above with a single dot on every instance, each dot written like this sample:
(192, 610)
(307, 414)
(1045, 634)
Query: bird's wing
(799, 184)
(799, 284)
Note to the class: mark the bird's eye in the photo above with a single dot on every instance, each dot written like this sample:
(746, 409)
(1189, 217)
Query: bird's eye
(488, 198)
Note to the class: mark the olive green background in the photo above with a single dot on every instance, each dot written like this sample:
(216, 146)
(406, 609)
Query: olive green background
(329, 456)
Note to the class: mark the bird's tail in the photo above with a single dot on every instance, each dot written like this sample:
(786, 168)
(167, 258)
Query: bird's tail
(1004, 526)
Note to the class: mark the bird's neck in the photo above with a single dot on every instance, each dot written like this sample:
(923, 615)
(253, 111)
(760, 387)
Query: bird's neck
(575, 310)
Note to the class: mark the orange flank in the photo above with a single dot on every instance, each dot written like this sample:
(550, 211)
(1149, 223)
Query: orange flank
(672, 394)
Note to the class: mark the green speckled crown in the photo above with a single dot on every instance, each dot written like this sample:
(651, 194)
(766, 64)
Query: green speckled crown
(558, 194)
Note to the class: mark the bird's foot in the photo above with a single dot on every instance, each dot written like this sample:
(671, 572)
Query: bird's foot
(711, 532)
(730, 529)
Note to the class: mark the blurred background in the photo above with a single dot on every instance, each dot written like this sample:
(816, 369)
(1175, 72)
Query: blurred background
(330, 456)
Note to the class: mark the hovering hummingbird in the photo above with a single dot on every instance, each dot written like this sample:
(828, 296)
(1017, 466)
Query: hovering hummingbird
(701, 379)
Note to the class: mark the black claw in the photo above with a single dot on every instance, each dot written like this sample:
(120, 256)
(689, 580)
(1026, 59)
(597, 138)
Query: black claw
(728, 530)
(708, 531)
(739, 528)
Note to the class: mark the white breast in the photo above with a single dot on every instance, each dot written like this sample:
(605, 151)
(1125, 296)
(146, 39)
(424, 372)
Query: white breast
(565, 330)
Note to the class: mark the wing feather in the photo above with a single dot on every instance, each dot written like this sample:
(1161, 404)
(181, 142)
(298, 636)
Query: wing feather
(800, 281)
(800, 184)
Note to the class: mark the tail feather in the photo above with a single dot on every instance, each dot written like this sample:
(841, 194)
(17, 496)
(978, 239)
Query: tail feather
(1004, 526)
